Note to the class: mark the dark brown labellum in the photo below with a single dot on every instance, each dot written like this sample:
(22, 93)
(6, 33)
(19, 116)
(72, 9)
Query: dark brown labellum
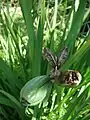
(71, 78)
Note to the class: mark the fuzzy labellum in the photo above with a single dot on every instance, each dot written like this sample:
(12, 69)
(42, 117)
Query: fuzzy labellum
(71, 78)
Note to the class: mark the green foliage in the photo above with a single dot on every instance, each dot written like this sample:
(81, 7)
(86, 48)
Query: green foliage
(52, 24)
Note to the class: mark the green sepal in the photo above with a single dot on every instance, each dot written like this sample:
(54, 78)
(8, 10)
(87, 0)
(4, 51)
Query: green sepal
(35, 90)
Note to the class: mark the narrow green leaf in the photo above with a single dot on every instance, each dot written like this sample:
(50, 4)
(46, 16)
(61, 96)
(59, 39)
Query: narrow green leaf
(16, 103)
(26, 7)
(77, 21)
(10, 76)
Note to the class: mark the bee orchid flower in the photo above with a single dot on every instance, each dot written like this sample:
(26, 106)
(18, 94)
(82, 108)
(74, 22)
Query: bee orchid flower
(70, 78)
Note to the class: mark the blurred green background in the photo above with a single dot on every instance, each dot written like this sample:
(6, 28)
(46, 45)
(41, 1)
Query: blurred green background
(26, 27)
